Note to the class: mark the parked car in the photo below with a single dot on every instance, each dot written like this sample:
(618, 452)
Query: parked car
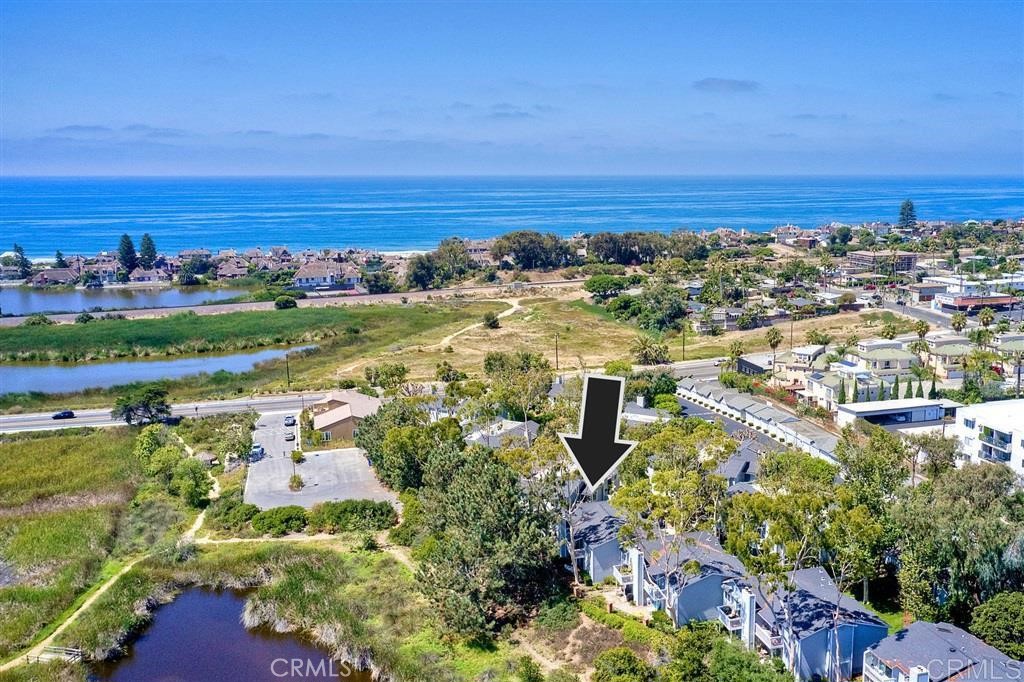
(718, 362)
(256, 451)
(290, 435)
(289, 420)
(64, 414)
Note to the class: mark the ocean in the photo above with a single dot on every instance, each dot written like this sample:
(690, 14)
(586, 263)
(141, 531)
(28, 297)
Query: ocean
(86, 215)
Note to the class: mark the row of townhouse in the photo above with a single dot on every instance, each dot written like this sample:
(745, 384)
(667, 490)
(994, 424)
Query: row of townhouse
(815, 629)
(692, 578)
(782, 426)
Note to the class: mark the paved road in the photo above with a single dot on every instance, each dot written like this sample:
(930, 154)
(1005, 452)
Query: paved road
(315, 301)
(936, 319)
(292, 403)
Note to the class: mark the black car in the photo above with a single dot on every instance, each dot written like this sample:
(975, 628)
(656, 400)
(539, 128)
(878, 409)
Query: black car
(64, 414)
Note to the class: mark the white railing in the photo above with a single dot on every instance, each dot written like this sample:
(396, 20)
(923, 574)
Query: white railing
(765, 636)
(732, 622)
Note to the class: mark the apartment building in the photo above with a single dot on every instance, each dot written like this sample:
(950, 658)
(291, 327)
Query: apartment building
(993, 432)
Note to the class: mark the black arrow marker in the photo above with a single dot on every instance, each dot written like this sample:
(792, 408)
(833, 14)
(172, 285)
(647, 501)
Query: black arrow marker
(597, 448)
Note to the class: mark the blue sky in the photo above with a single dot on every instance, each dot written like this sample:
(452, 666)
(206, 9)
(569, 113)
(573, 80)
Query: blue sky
(511, 88)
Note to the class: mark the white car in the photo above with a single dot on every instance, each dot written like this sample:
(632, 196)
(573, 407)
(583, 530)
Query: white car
(718, 362)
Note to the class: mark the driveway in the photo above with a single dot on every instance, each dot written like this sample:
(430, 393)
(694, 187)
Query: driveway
(329, 476)
(270, 433)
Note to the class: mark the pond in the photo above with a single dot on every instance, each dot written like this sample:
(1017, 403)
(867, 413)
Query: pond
(26, 300)
(69, 377)
(199, 636)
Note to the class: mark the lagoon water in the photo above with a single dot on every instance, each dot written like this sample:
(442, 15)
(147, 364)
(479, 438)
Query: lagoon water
(26, 300)
(65, 378)
(86, 215)
(199, 637)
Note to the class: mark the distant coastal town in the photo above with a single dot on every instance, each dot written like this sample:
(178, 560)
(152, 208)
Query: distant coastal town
(867, 248)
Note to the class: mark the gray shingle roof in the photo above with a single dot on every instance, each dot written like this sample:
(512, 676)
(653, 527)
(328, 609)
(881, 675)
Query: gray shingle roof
(946, 651)
(812, 603)
(595, 523)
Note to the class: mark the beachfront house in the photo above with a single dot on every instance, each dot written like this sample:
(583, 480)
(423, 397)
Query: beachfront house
(322, 274)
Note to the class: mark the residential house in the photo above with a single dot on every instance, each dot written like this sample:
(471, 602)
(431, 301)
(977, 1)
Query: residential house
(194, 254)
(741, 469)
(104, 271)
(937, 652)
(504, 431)
(54, 277)
(793, 366)
(281, 254)
(948, 359)
(993, 432)
(232, 268)
(595, 533)
(682, 577)
(888, 361)
(337, 416)
(321, 274)
(808, 639)
(142, 275)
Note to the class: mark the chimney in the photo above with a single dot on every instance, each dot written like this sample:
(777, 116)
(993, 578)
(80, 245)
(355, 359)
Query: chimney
(639, 569)
(748, 612)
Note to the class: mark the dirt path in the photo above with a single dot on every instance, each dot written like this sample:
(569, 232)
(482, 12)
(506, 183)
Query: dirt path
(37, 650)
(513, 308)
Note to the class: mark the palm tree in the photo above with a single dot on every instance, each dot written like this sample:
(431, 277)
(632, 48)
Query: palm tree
(735, 351)
(1017, 358)
(958, 322)
(773, 337)
(649, 351)
(888, 331)
(986, 316)
(922, 328)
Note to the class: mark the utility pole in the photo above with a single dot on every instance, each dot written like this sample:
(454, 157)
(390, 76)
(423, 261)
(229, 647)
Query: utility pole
(287, 372)
(556, 352)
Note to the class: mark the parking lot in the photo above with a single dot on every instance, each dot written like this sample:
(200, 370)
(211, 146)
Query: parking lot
(328, 475)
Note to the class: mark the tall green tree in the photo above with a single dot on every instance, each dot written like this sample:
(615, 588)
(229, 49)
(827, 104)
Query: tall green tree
(142, 404)
(490, 560)
(908, 215)
(147, 252)
(59, 261)
(23, 264)
(126, 255)
(1000, 623)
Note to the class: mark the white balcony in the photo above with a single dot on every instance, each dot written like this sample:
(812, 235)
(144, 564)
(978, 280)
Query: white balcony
(770, 641)
(730, 619)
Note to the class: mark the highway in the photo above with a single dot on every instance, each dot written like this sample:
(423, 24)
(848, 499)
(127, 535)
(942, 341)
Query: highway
(101, 417)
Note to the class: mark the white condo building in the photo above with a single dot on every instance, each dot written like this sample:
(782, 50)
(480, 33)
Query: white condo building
(993, 432)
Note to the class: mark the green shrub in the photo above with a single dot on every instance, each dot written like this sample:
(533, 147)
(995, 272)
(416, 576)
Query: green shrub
(558, 615)
(562, 675)
(491, 320)
(413, 523)
(620, 664)
(279, 521)
(230, 513)
(527, 670)
(285, 302)
(337, 517)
